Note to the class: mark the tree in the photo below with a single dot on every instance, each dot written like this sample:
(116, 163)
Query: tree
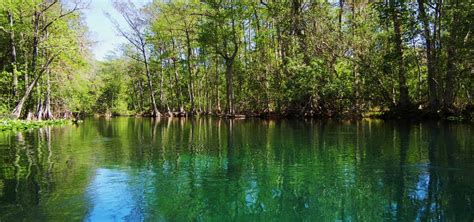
(137, 24)
(221, 33)
(40, 28)
(430, 39)
(301, 58)
(404, 99)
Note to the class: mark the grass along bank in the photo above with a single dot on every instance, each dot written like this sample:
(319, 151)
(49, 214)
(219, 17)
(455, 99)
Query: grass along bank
(9, 124)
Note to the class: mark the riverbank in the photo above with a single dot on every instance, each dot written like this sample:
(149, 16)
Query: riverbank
(466, 115)
(412, 115)
(9, 124)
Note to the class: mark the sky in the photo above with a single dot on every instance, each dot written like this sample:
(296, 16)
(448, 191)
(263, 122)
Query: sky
(101, 29)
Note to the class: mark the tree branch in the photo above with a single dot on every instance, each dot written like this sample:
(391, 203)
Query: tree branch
(61, 14)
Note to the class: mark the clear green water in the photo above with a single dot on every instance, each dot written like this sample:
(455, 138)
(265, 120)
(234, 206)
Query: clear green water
(246, 170)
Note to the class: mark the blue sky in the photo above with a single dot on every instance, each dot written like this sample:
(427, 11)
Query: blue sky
(102, 31)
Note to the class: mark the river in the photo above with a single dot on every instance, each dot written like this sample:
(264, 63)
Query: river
(209, 169)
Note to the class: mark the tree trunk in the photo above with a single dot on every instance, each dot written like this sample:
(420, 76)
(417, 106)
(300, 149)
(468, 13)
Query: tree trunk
(47, 114)
(39, 109)
(207, 91)
(178, 88)
(26, 62)
(217, 83)
(162, 95)
(230, 90)
(35, 42)
(19, 107)
(298, 29)
(140, 90)
(432, 84)
(176, 75)
(155, 112)
(451, 66)
(135, 100)
(403, 99)
(13, 54)
(355, 68)
(419, 79)
(190, 71)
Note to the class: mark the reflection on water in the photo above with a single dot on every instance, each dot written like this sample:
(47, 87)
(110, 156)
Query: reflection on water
(110, 191)
(214, 169)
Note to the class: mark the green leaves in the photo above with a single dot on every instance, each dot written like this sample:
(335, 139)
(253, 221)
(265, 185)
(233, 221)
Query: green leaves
(18, 125)
(283, 55)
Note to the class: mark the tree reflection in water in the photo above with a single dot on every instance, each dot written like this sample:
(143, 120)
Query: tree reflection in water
(216, 169)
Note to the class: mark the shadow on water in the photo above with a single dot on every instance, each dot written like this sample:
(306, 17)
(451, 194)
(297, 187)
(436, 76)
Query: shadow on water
(137, 169)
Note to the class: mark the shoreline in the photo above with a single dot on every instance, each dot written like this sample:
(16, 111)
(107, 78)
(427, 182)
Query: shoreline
(21, 125)
(420, 115)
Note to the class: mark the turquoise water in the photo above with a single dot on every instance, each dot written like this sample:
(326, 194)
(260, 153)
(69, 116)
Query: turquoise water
(132, 169)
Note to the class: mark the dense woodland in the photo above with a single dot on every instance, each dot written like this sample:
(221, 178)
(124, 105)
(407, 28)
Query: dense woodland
(260, 58)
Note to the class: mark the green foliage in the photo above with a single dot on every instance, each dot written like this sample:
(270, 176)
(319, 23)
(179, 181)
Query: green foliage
(112, 83)
(18, 125)
(271, 57)
(48, 40)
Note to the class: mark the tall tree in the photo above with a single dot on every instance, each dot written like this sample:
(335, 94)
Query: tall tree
(430, 53)
(40, 28)
(137, 24)
(403, 99)
(221, 33)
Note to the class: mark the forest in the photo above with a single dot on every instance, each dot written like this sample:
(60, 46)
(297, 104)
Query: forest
(305, 58)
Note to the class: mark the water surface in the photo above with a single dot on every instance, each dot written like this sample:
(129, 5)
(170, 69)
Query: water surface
(131, 169)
